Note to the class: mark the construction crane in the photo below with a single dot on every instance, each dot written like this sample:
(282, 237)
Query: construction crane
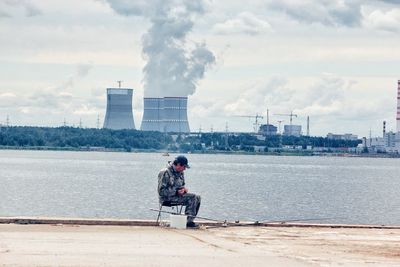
(291, 115)
(256, 117)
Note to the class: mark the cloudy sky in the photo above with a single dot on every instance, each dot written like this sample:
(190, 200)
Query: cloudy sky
(337, 61)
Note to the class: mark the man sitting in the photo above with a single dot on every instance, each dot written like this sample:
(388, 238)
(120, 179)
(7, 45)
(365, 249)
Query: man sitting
(171, 187)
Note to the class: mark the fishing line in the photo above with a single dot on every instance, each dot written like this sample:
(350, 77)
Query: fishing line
(225, 223)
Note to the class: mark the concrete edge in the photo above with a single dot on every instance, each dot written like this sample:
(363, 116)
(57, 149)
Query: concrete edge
(75, 221)
(127, 222)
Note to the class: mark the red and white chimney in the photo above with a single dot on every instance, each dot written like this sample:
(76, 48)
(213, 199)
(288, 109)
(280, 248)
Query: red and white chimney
(398, 107)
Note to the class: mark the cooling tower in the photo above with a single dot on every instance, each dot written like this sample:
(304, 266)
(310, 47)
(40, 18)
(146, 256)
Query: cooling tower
(119, 113)
(175, 115)
(168, 114)
(152, 115)
(398, 107)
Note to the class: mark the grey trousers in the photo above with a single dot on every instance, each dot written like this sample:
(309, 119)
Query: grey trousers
(191, 203)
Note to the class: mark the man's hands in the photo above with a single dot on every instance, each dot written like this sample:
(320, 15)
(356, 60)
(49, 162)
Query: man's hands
(182, 191)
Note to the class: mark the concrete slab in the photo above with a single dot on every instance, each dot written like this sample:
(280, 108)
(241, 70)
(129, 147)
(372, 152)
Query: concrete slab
(83, 245)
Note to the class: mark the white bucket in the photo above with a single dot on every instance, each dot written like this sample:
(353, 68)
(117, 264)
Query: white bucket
(178, 221)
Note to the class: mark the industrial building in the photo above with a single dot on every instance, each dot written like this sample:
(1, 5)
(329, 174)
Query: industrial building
(346, 137)
(292, 130)
(167, 114)
(390, 141)
(119, 113)
(268, 129)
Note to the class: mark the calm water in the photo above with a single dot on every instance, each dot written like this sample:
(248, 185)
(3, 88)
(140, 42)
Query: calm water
(123, 185)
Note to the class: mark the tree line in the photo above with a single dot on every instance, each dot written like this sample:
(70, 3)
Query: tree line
(71, 137)
(246, 142)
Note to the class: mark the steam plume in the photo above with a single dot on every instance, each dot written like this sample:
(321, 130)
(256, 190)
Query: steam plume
(173, 66)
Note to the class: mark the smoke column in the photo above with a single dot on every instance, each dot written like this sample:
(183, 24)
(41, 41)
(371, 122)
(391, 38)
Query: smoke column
(174, 66)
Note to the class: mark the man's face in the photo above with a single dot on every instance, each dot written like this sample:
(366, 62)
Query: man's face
(179, 168)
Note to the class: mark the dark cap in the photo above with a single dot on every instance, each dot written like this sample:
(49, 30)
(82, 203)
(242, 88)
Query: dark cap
(182, 160)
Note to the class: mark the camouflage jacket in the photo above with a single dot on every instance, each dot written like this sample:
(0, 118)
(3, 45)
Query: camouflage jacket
(169, 181)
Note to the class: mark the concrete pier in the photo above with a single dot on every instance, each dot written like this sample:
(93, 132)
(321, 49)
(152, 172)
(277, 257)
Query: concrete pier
(88, 242)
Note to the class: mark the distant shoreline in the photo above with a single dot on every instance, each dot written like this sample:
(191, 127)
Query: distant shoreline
(210, 152)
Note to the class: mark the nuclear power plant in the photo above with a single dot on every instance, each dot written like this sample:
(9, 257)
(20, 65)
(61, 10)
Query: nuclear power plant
(119, 114)
(168, 114)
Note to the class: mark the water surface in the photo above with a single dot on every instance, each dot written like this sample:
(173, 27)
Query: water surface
(233, 187)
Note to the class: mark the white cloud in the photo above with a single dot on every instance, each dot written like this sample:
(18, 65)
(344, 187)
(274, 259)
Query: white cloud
(256, 99)
(327, 91)
(55, 99)
(24, 110)
(65, 94)
(4, 14)
(82, 70)
(49, 107)
(85, 109)
(8, 100)
(383, 20)
(244, 23)
(7, 95)
(11, 8)
(334, 104)
(326, 12)
(130, 8)
(394, 2)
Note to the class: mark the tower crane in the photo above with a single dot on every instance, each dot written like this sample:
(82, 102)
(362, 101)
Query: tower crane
(256, 117)
(291, 115)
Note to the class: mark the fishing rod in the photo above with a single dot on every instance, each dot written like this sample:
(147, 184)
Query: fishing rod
(265, 222)
(225, 223)
(302, 220)
(204, 218)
